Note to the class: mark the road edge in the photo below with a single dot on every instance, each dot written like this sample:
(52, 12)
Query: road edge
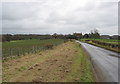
(96, 71)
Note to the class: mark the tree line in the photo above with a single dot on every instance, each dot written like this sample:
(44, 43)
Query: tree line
(93, 34)
(9, 37)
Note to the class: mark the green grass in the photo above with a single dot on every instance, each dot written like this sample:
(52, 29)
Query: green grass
(21, 68)
(80, 68)
(115, 49)
(27, 45)
(106, 47)
(112, 41)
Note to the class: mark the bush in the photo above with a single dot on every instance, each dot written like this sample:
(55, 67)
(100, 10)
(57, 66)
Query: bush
(49, 46)
(65, 41)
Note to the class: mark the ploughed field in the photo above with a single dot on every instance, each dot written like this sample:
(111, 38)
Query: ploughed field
(66, 62)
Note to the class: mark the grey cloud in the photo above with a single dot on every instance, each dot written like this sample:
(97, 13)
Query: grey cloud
(17, 11)
(60, 16)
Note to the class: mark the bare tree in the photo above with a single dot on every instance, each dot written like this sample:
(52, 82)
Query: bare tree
(94, 34)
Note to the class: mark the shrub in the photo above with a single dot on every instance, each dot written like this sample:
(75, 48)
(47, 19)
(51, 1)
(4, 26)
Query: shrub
(65, 41)
(49, 46)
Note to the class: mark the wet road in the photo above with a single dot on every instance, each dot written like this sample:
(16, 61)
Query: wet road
(106, 61)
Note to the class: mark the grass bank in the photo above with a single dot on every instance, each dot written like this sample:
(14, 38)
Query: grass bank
(116, 49)
(64, 63)
(80, 69)
(112, 41)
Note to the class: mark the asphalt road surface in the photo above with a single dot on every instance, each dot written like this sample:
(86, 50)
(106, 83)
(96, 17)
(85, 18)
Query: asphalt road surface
(106, 61)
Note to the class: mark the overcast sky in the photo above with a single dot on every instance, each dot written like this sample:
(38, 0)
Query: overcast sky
(59, 16)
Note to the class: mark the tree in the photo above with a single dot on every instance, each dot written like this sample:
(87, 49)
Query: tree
(8, 37)
(94, 34)
(55, 35)
(85, 36)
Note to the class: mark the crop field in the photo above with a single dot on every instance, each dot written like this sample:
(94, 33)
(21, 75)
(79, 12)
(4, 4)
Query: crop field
(24, 46)
(112, 41)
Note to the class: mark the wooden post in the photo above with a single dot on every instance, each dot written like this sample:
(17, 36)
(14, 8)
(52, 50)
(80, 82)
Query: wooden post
(33, 49)
(23, 51)
(38, 49)
(10, 51)
(28, 51)
(18, 52)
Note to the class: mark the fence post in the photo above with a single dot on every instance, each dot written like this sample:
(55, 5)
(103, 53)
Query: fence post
(10, 51)
(28, 50)
(38, 49)
(33, 49)
(23, 51)
(18, 52)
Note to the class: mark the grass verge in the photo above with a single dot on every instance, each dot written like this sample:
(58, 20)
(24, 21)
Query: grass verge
(112, 41)
(80, 70)
(64, 63)
(106, 47)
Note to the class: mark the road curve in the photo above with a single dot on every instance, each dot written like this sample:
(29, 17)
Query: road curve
(105, 62)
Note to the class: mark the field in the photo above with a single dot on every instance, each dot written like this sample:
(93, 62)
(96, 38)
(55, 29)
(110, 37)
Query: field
(66, 62)
(23, 46)
(106, 40)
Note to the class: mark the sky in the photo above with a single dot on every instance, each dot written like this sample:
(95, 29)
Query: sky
(59, 16)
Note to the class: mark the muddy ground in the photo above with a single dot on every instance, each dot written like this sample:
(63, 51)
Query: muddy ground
(62, 64)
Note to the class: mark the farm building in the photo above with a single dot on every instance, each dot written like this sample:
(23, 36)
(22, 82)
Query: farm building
(110, 37)
(115, 37)
(105, 37)
(78, 35)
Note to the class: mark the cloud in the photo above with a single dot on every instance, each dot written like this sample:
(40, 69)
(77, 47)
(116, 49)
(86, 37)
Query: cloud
(60, 16)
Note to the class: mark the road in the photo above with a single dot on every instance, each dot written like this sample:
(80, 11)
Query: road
(104, 61)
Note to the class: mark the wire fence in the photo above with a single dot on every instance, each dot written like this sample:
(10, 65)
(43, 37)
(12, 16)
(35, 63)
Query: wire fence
(14, 52)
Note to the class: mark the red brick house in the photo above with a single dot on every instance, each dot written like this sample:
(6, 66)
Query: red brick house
(78, 35)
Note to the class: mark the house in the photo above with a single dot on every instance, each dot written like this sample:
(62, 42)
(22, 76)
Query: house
(78, 35)
(115, 37)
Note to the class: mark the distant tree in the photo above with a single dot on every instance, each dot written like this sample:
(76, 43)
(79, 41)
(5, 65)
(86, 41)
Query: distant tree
(61, 36)
(70, 36)
(55, 35)
(86, 36)
(8, 37)
(94, 34)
